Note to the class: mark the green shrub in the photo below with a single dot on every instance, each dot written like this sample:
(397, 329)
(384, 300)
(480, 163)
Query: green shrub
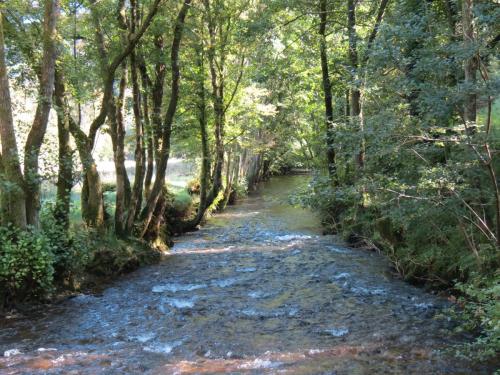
(71, 249)
(26, 264)
(108, 187)
(240, 190)
(193, 186)
(112, 256)
(182, 203)
(481, 312)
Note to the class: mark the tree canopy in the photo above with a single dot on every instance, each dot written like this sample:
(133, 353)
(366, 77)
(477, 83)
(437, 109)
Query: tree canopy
(392, 104)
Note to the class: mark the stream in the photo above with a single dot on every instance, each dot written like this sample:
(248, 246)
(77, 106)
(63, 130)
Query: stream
(257, 290)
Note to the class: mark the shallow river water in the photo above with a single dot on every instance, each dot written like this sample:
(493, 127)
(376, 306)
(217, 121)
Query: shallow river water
(257, 290)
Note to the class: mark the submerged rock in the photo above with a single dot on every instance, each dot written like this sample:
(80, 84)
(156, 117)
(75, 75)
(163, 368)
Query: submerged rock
(337, 332)
(11, 352)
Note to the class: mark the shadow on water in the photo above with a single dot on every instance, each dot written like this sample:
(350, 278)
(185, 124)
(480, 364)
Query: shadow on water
(257, 290)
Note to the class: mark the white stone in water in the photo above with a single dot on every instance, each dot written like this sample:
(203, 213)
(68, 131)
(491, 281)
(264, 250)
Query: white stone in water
(343, 275)
(337, 250)
(224, 283)
(259, 364)
(256, 294)
(337, 332)
(145, 337)
(162, 348)
(46, 349)
(368, 291)
(180, 303)
(424, 305)
(246, 269)
(316, 351)
(11, 352)
(293, 311)
(250, 312)
(177, 287)
(290, 237)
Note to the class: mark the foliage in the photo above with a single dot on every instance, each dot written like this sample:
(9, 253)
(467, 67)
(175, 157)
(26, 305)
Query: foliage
(415, 170)
(71, 249)
(112, 256)
(182, 203)
(481, 312)
(26, 264)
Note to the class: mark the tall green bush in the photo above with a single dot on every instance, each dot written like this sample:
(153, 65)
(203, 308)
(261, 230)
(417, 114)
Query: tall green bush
(26, 264)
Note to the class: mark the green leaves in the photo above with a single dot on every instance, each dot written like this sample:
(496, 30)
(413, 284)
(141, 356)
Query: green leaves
(26, 264)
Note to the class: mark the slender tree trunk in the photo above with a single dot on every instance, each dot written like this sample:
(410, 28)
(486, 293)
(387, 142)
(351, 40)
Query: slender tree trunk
(117, 127)
(228, 187)
(92, 194)
(470, 68)
(92, 200)
(156, 191)
(39, 127)
(218, 102)
(157, 99)
(65, 159)
(327, 89)
(355, 102)
(13, 204)
(353, 59)
(347, 105)
(136, 198)
(205, 149)
(147, 132)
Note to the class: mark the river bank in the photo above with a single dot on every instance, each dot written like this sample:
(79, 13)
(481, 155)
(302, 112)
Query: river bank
(258, 289)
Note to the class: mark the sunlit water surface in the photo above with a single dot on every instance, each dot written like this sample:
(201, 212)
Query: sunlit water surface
(258, 290)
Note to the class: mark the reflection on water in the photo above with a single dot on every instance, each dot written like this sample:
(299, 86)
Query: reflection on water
(257, 290)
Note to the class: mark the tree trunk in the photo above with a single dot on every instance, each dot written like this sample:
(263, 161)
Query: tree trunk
(65, 159)
(117, 127)
(147, 131)
(355, 102)
(92, 201)
(228, 188)
(39, 126)
(218, 102)
(157, 99)
(470, 68)
(161, 168)
(327, 89)
(205, 150)
(136, 198)
(13, 204)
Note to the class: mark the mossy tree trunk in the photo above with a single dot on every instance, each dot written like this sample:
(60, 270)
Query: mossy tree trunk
(39, 126)
(13, 204)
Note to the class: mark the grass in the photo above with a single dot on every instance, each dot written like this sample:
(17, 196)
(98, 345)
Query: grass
(177, 180)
